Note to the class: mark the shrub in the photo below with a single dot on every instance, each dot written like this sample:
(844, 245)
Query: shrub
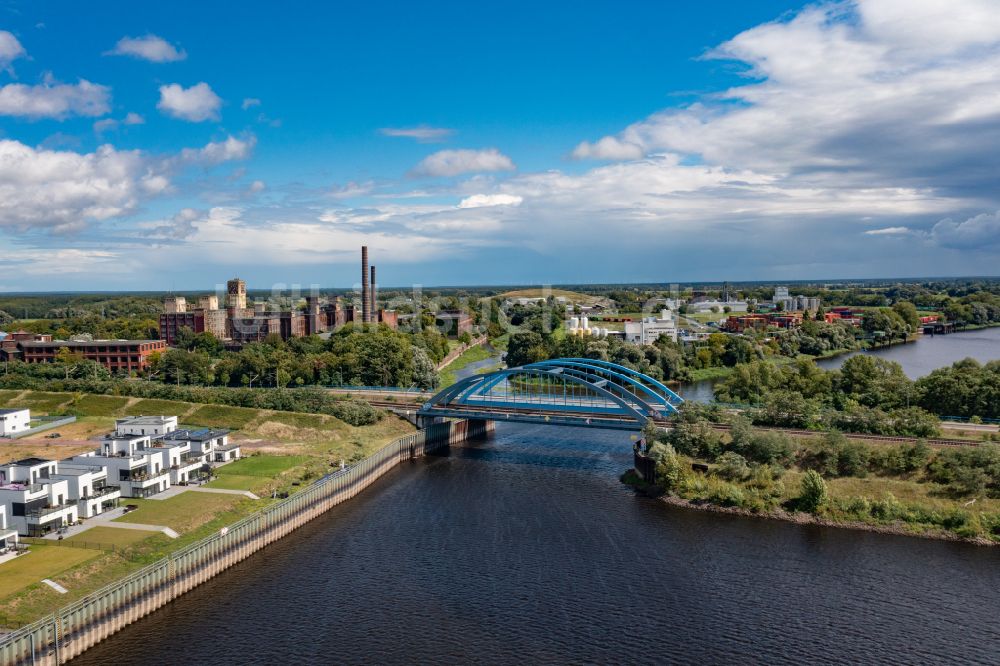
(733, 466)
(813, 494)
(887, 508)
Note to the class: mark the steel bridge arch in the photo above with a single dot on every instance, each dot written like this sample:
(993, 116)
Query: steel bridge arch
(610, 393)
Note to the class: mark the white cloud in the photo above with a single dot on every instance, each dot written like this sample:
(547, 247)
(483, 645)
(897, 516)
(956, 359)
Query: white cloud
(981, 232)
(102, 126)
(249, 102)
(55, 100)
(889, 231)
(133, 119)
(608, 148)
(217, 152)
(10, 49)
(457, 162)
(422, 133)
(196, 104)
(257, 186)
(487, 200)
(60, 190)
(150, 47)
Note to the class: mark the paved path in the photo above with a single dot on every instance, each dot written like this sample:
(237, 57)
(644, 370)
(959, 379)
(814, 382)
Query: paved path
(224, 491)
(174, 491)
(147, 528)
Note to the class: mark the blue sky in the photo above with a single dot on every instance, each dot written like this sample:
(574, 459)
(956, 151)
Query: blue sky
(171, 146)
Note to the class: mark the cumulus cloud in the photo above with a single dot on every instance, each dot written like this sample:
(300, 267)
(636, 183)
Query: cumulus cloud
(981, 232)
(421, 133)
(608, 148)
(133, 119)
(55, 100)
(150, 47)
(487, 200)
(10, 49)
(249, 102)
(106, 125)
(60, 190)
(196, 104)
(457, 162)
(257, 186)
(217, 152)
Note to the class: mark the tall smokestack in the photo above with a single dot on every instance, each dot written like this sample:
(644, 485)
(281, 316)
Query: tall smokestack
(365, 293)
(373, 300)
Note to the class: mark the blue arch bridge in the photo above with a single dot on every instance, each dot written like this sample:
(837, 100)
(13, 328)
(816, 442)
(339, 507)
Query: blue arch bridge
(565, 391)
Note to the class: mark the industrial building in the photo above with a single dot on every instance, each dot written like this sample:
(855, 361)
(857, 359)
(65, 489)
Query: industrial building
(125, 356)
(649, 329)
(239, 322)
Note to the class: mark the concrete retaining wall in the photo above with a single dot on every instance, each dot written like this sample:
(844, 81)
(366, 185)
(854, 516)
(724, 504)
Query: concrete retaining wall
(75, 628)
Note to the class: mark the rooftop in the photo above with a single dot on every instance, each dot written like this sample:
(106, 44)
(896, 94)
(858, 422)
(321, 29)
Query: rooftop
(145, 420)
(26, 462)
(14, 410)
(196, 435)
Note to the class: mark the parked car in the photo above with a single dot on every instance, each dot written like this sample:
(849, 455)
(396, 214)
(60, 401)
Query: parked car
(53, 435)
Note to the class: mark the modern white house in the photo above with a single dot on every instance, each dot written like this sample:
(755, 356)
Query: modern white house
(88, 487)
(14, 421)
(650, 329)
(211, 444)
(36, 503)
(8, 536)
(132, 464)
(155, 426)
(184, 464)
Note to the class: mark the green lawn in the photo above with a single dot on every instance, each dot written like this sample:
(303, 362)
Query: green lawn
(269, 466)
(154, 407)
(110, 536)
(222, 416)
(40, 402)
(99, 405)
(470, 355)
(40, 562)
(255, 473)
(182, 512)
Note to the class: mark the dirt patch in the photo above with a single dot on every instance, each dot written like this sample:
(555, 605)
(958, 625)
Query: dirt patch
(54, 449)
(271, 447)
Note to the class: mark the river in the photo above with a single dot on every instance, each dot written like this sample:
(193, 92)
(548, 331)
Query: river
(919, 358)
(525, 548)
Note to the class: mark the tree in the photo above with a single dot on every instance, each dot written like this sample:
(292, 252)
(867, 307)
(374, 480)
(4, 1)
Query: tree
(907, 311)
(813, 494)
(526, 347)
(425, 375)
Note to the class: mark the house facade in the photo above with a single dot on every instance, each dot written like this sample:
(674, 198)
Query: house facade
(14, 421)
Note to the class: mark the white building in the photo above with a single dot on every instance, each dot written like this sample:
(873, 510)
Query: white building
(132, 464)
(88, 487)
(8, 536)
(14, 421)
(211, 445)
(793, 303)
(146, 425)
(36, 503)
(648, 330)
(719, 306)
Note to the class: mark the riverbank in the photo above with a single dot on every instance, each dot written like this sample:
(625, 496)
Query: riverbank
(632, 479)
(72, 629)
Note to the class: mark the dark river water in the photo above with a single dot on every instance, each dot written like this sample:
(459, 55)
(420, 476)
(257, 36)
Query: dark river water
(524, 548)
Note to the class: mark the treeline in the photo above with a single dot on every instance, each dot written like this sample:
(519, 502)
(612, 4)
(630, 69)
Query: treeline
(139, 327)
(312, 400)
(867, 390)
(375, 357)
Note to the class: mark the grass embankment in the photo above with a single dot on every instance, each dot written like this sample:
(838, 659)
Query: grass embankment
(571, 296)
(470, 355)
(283, 452)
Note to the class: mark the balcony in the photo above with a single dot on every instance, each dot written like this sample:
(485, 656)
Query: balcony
(39, 515)
(103, 491)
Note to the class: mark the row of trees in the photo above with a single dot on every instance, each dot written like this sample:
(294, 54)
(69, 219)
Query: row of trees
(866, 390)
(378, 357)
